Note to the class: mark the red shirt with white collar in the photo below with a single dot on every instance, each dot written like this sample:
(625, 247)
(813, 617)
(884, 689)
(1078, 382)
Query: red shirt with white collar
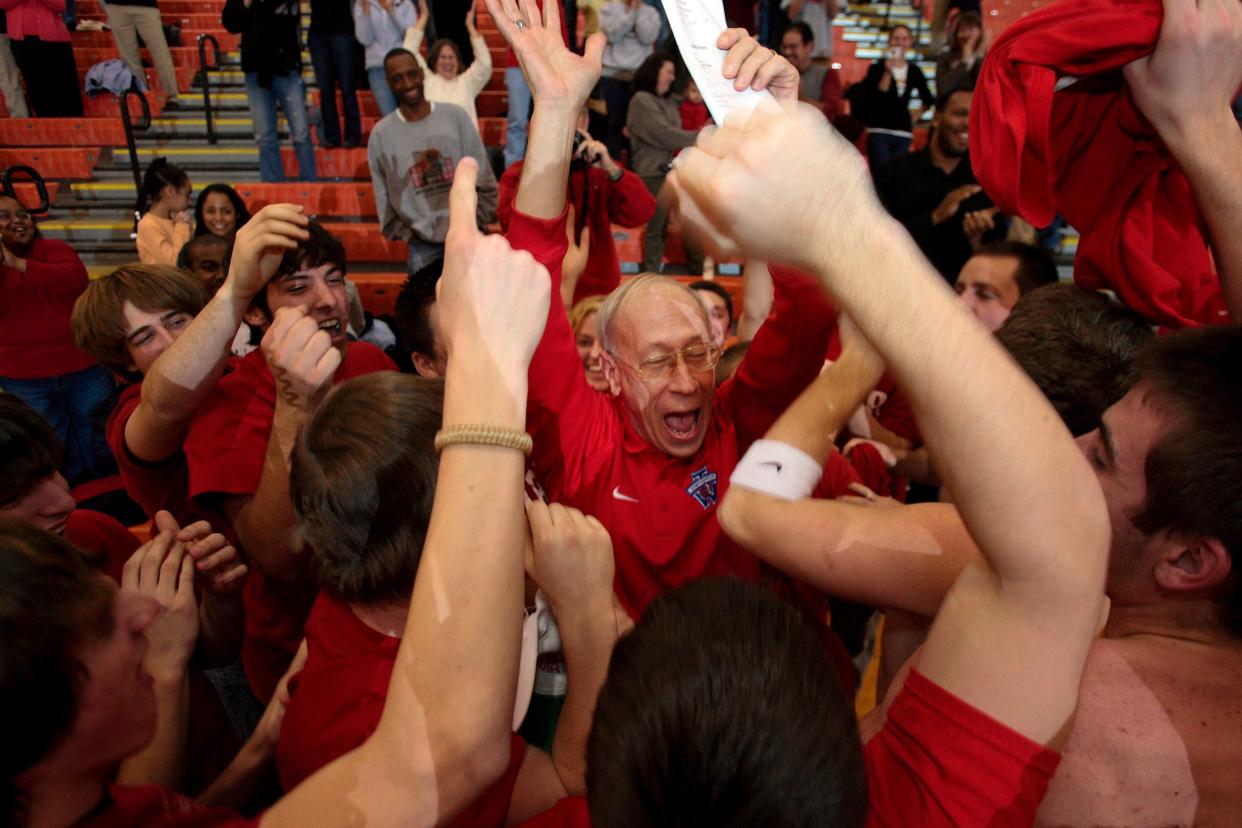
(225, 452)
(661, 510)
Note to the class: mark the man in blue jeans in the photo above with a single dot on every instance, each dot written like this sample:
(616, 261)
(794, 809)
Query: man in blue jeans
(272, 63)
(334, 52)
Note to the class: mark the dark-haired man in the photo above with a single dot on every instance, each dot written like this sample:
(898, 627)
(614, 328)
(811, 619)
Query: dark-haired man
(207, 257)
(994, 279)
(820, 83)
(240, 438)
(416, 322)
(413, 153)
(719, 306)
(933, 191)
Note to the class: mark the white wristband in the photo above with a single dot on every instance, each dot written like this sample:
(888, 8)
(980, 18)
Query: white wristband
(777, 469)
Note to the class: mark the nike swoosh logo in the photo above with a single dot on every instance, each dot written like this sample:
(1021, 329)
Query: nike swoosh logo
(616, 493)
(772, 463)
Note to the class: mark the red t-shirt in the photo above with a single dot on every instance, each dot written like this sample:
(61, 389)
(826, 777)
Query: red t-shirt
(153, 486)
(335, 703)
(625, 202)
(152, 806)
(571, 812)
(661, 510)
(34, 317)
(102, 535)
(940, 761)
(225, 451)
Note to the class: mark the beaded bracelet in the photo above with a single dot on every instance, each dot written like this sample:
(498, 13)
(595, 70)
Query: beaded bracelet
(484, 435)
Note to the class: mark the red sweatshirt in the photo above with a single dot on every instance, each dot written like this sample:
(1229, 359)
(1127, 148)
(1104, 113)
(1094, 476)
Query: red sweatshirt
(661, 510)
(626, 202)
(34, 313)
(1087, 153)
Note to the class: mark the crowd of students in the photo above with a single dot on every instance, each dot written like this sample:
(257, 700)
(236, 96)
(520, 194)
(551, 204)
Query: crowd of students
(605, 489)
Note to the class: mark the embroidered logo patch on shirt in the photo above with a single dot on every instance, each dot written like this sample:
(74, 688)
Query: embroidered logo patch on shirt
(703, 487)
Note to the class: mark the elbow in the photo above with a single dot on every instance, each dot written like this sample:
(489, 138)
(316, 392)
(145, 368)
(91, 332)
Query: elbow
(483, 757)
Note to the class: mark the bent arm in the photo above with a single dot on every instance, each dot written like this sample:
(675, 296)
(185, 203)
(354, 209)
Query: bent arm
(480, 72)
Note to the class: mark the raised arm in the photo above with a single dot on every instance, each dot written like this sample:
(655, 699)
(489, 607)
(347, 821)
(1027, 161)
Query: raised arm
(1185, 89)
(1020, 627)
(444, 734)
(185, 375)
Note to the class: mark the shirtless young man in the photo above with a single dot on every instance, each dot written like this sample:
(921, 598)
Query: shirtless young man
(1157, 735)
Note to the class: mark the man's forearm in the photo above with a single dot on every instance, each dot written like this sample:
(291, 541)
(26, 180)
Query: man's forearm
(905, 310)
(589, 634)
(1211, 157)
(545, 169)
(264, 523)
(163, 760)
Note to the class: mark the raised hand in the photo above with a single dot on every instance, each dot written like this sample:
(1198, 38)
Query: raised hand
(556, 75)
(492, 300)
(162, 570)
(302, 358)
(471, 27)
(748, 63)
(741, 187)
(261, 243)
(570, 557)
(1188, 82)
(948, 206)
(215, 558)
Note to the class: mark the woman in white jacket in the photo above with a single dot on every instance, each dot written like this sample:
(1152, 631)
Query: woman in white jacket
(380, 26)
(444, 80)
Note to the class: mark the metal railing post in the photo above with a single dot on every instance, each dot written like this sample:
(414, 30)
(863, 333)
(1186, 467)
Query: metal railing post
(6, 186)
(205, 75)
(130, 126)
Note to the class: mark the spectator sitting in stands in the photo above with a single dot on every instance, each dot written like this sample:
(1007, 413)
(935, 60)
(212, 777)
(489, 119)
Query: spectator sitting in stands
(656, 136)
(1000, 274)
(43, 52)
(272, 63)
(414, 153)
(380, 26)
(631, 27)
(933, 192)
(602, 193)
(820, 83)
(163, 211)
(219, 210)
(881, 100)
(446, 80)
(207, 257)
(719, 306)
(958, 66)
(40, 279)
(584, 320)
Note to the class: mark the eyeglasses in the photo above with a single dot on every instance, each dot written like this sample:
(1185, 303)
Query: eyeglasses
(699, 359)
(9, 216)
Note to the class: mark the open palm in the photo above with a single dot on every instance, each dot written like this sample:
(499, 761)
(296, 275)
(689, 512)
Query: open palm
(554, 72)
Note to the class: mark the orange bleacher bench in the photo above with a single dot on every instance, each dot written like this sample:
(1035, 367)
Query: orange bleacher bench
(76, 163)
(364, 243)
(104, 105)
(185, 77)
(378, 291)
(102, 40)
(90, 55)
(61, 132)
(91, 8)
(343, 199)
(334, 163)
(28, 194)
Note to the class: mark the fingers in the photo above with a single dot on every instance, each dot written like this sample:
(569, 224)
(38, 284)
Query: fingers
(730, 37)
(751, 65)
(464, 199)
(551, 16)
(285, 319)
(504, 12)
(149, 568)
(718, 142)
(185, 583)
(540, 519)
(531, 14)
(196, 532)
(862, 491)
(593, 53)
(164, 522)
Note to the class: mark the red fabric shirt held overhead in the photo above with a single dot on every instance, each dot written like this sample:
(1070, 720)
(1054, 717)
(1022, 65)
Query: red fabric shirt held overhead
(35, 341)
(661, 510)
(1087, 153)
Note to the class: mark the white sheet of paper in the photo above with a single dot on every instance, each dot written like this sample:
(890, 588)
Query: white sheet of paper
(696, 24)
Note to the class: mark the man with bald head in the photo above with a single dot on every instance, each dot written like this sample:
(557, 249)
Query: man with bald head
(650, 458)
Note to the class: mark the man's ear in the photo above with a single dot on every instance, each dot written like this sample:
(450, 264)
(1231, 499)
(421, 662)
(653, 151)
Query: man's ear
(254, 315)
(424, 365)
(612, 373)
(1193, 565)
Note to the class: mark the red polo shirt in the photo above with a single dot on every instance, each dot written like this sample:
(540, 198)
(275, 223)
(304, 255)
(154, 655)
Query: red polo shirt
(35, 340)
(661, 510)
(224, 453)
(153, 486)
(336, 701)
(625, 202)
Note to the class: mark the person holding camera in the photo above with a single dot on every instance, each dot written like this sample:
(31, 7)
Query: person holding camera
(882, 99)
(601, 193)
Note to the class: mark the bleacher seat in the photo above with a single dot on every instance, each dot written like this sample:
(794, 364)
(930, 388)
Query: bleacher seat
(76, 163)
(320, 199)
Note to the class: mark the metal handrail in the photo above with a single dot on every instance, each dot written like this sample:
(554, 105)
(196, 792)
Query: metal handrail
(6, 186)
(130, 126)
(205, 77)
